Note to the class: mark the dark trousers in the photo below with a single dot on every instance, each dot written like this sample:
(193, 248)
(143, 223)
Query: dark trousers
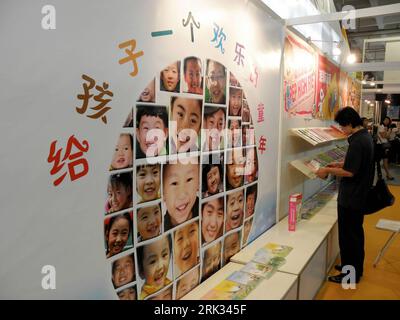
(351, 238)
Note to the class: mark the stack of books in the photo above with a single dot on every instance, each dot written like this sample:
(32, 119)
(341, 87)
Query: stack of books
(239, 284)
(319, 135)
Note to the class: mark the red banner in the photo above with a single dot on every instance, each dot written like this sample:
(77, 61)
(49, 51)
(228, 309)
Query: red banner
(299, 77)
(327, 92)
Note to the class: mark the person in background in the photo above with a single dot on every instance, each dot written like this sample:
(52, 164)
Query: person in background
(364, 122)
(357, 172)
(394, 144)
(383, 145)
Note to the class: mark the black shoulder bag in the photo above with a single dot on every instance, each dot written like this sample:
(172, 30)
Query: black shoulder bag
(379, 196)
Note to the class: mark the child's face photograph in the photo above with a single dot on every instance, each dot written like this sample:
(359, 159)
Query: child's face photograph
(251, 168)
(118, 234)
(187, 283)
(186, 247)
(180, 187)
(247, 135)
(149, 222)
(231, 246)
(214, 124)
(186, 118)
(148, 94)
(127, 294)
(151, 135)
(129, 120)
(235, 102)
(148, 182)
(235, 168)
(123, 271)
(246, 230)
(156, 258)
(235, 132)
(119, 197)
(193, 76)
(233, 81)
(234, 210)
(250, 204)
(211, 260)
(246, 112)
(164, 295)
(216, 82)
(212, 219)
(170, 77)
(213, 180)
(123, 155)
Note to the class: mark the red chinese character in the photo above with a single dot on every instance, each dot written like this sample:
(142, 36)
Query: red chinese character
(262, 144)
(260, 109)
(73, 157)
(86, 96)
(131, 55)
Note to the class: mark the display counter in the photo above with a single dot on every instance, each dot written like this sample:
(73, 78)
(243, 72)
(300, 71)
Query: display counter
(314, 246)
(281, 286)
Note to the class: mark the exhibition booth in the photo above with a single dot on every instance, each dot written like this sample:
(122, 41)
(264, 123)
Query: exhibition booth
(167, 150)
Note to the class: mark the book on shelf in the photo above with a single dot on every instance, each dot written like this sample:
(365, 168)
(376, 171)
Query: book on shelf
(320, 135)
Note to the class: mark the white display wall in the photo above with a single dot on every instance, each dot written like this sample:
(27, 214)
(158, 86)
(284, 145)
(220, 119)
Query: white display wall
(49, 218)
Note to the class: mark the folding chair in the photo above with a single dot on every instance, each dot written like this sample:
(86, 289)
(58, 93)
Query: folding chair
(388, 225)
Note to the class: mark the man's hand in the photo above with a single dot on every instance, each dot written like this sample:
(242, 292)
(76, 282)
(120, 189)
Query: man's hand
(335, 165)
(322, 173)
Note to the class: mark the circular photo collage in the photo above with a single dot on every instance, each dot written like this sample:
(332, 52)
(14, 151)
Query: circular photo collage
(182, 183)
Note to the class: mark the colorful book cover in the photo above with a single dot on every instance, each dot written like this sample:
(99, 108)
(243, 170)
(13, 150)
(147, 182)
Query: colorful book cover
(306, 136)
(262, 256)
(258, 269)
(276, 262)
(217, 295)
(278, 250)
(313, 165)
(244, 278)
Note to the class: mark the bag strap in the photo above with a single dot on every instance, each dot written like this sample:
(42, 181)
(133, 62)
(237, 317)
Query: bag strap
(379, 169)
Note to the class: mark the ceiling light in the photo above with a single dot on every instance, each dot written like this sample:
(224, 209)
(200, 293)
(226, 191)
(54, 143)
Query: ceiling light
(387, 101)
(351, 58)
(364, 82)
(372, 84)
(371, 105)
(367, 101)
(336, 51)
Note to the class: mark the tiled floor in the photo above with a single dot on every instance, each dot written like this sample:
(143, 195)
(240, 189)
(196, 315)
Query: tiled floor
(382, 282)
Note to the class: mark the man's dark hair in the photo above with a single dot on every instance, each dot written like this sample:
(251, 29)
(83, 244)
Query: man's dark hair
(348, 116)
